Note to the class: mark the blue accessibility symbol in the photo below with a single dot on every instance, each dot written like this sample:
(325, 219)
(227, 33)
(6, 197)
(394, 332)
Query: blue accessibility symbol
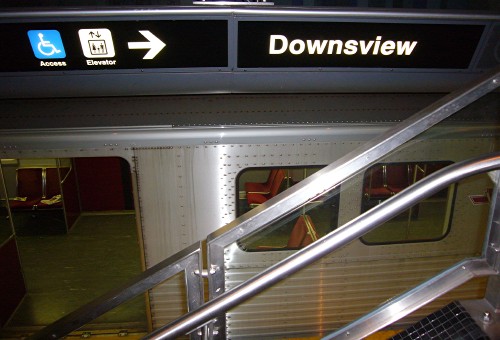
(47, 44)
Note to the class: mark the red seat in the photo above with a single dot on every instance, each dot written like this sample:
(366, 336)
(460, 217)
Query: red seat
(303, 233)
(52, 182)
(386, 180)
(376, 184)
(29, 188)
(28, 204)
(255, 199)
(398, 177)
(37, 188)
(52, 190)
(261, 188)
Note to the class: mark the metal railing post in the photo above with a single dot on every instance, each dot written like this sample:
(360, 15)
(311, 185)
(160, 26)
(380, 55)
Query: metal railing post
(492, 245)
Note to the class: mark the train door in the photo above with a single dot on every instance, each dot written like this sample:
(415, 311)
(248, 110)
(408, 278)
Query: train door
(75, 224)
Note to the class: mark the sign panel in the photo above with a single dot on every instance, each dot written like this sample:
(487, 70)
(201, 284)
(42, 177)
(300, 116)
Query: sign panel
(346, 44)
(151, 44)
(63, 46)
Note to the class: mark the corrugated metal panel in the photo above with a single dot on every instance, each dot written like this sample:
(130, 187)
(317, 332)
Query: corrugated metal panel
(168, 301)
(328, 295)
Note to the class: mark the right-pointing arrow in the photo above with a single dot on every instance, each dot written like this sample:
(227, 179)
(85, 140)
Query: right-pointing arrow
(154, 44)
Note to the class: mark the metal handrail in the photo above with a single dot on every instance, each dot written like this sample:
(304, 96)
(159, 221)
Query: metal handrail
(329, 243)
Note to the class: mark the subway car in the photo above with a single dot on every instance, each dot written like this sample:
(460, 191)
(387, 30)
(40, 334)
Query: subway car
(248, 135)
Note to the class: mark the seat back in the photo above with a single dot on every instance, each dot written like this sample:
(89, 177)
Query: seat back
(261, 188)
(270, 179)
(303, 233)
(375, 185)
(52, 182)
(276, 185)
(398, 177)
(29, 182)
(378, 177)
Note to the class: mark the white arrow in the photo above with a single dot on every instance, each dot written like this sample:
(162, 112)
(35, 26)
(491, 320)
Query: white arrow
(154, 44)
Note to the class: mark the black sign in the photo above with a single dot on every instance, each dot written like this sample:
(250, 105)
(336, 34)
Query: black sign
(343, 44)
(171, 44)
(61, 46)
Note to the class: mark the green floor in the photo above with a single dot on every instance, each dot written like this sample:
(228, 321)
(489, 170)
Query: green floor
(63, 272)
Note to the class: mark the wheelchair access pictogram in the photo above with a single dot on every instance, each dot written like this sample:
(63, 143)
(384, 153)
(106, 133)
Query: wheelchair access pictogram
(47, 44)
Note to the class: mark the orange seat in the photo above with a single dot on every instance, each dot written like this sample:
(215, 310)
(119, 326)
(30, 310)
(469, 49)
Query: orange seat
(261, 188)
(303, 234)
(255, 199)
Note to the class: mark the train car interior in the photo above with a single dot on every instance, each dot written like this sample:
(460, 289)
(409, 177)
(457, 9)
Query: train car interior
(76, 233)
(250, 169)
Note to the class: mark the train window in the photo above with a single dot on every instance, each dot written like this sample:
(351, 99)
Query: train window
(295, 231)
(424, 221)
